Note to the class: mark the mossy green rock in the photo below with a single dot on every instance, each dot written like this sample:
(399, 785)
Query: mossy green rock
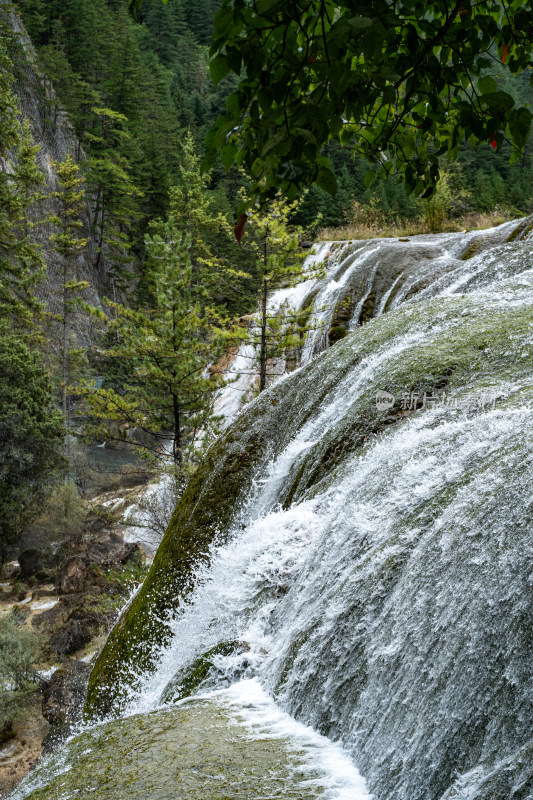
(198, 751)
(191, 677)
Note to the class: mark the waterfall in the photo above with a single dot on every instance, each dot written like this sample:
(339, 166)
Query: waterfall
(241, 373)
(385, 272)
(373, 588)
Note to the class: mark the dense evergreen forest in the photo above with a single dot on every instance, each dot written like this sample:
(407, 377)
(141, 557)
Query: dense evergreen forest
(153, 72)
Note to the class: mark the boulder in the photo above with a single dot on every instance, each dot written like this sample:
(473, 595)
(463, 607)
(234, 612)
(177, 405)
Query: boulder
(35, 563)
(64, 694)
(94, 523)
(70, 638)
(75, 574)
(51, 618)
(108, 549)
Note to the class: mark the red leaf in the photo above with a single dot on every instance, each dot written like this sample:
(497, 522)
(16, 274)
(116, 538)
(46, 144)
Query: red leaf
(493, 142)
(238, 230)
(504, 53)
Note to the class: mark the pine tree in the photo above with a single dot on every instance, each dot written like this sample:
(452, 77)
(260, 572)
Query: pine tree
(272, 245)
(168, 348)
(31, 436)
(166, 25)
(115, 197)
(158, 136)
(213, 276)
(64, 88)
(200, 14)
(68, 243)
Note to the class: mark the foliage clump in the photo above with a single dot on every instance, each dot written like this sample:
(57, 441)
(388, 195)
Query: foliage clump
(19, 650)
(31, 437)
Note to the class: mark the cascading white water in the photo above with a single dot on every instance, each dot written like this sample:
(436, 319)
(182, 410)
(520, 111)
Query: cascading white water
(392, 270)
(387, 270)
(306, 588)
(241, 374)
(377, 584)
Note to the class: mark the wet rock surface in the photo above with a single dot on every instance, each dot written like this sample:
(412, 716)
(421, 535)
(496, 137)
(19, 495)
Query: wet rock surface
(109, 549)
(22, 752)
(70, 638)
(197, 751)
(74, 574)
(64, 693)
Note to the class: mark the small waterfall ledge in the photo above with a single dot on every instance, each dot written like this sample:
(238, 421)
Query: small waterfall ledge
(347, 581)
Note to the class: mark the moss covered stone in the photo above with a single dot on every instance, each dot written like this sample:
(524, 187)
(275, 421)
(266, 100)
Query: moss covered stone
(191, 677)
(198, 751)
(522, 230)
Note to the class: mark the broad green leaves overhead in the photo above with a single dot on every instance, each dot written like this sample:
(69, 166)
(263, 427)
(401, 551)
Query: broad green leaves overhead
(400, 83)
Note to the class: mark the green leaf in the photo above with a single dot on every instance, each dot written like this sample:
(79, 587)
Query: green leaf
(487, 85)
(497, 102)
(265, 5)
(370, 177)
(233, 104)
(273, 143)
(520, 124)
(359, 22)
(219, 68)
(389, 95)
(372, 43)
(227, 154)
(327, 181)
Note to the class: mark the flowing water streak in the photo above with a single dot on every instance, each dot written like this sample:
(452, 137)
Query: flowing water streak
(350, 269)
(301, 586)
(242, 372)
(340, 271)
(217, 599)
(253, 707)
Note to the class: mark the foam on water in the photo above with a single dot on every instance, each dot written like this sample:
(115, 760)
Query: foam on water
(252, 706)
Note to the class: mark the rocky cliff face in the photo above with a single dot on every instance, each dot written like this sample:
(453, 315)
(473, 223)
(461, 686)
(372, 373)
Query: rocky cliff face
(56, 139)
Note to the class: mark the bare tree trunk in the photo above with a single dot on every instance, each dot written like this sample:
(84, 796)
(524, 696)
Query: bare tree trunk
(65, 363)
(176, 444)
(263, 357)
(100, 242)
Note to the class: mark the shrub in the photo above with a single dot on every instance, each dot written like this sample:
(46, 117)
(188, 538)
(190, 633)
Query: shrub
(20, 648)
(64, 514)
